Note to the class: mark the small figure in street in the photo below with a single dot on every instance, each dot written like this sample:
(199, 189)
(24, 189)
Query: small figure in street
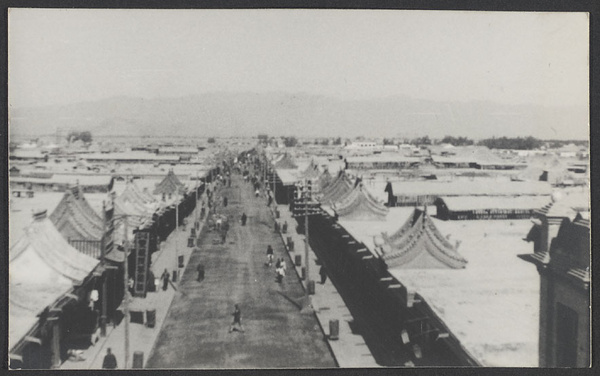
(323, 274)
(165, 278)
(200, 270)
(244, 218)
(110, 361)
(278, 264)
(130, 284)
(237, 320)
(270, 201)
(257, 193)
(269, 255)
(223, 236)
(280, 271)
(219, 222)
(224, 202)
(283, 265)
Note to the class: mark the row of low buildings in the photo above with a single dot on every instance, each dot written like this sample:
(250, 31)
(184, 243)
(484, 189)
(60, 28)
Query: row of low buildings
(441, 290)
(66, 265)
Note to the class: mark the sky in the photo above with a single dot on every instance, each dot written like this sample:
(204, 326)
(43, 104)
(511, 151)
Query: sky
(62, 56)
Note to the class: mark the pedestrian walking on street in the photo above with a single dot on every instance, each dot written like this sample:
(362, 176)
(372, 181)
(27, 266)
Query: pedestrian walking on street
(110, 361)
(270, 200)
(269, 255)
(280, 272)
(244, 218)
(237, 320)
(224, 202)
(200, 270)
(223, 236)
(323, 274)
(165, 277)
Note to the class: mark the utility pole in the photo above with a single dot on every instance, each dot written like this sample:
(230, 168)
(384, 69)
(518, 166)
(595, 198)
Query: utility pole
(103, 263)
(274, 176)
(176, 230)
(306, 261)
(196, 205)
(126, 287)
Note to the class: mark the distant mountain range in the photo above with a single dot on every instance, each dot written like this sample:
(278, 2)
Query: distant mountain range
(302, 115)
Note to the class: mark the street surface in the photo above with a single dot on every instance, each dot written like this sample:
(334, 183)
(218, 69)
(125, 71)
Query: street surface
(276, 334)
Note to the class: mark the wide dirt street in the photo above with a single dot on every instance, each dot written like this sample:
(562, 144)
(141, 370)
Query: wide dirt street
(196, 334)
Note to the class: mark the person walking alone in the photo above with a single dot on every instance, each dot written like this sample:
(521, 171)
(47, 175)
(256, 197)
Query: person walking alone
(237, 320)
(323, 274)
(165, 277)
(110, 361)
(269, 255)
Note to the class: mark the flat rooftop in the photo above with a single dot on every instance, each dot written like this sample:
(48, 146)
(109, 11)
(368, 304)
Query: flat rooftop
(491, 306)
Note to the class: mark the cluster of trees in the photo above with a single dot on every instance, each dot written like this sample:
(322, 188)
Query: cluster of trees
(457, 141)
(555, 144)
(425, 140)
(211, 140)
(290, 141)
(263, 138)
(517, 143)
(84, 136)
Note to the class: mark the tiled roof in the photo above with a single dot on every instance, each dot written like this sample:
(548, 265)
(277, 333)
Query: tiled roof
(169, 185)
(360, 204)
(74, 218)
(418, 244)
(337, 189)
(286, 162)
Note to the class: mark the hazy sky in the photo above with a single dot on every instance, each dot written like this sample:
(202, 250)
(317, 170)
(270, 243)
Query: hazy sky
(68, 56)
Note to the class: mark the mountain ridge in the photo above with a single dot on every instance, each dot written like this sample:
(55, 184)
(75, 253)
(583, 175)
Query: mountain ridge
(224, 114)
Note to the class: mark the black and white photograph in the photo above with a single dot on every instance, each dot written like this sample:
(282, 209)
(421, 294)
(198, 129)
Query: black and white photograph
(218, 189)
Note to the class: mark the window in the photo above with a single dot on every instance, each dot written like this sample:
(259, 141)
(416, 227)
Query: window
(566, 336)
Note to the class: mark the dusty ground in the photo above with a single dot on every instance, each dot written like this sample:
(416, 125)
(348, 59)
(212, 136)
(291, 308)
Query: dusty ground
(195, 333)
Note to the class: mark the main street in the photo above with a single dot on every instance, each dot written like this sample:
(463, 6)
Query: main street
(196, 334)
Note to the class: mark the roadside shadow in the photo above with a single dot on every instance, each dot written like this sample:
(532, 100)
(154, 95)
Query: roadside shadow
(294, 301)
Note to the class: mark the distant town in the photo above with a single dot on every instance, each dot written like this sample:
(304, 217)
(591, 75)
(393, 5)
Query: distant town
(297, 252)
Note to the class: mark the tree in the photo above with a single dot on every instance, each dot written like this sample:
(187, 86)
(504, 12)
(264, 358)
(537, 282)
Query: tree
(85, 136)
(325, 142)
(337, 141)
(263, 138)
(290, 141)
(517, 143)
(211, 140)
(421, 141)
(388, 141)
(457, 141)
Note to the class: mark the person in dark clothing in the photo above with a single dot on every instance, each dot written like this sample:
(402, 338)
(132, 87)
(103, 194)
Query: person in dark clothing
(323, 274)
(223, 236)
(200, 270)
(244, 218)
(269, 255)
(224, 202)
(110, 361)
(237, 320)
(270, 201)
(165, 277)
